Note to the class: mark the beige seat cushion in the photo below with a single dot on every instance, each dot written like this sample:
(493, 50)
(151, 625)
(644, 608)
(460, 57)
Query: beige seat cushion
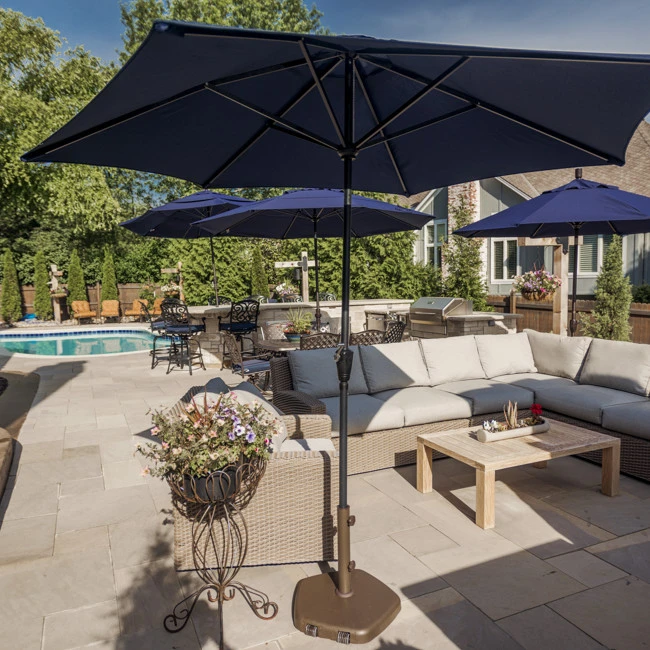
(618, 365)
(308, 444)
(393, 365)
(561, 356)
(488, 396)
(423, 404)
(314, 372)
(581, 401)
(633, 419)
(534, 380)
(365, 413)
(505, 354)
(452, 359)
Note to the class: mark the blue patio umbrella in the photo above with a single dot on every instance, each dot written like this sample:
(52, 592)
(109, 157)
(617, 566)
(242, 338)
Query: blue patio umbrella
(580, 207)
(175, 220)
(313, 213)
(247, 108)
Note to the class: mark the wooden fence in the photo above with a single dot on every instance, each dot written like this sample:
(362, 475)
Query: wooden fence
(539, 315)
(127, 294)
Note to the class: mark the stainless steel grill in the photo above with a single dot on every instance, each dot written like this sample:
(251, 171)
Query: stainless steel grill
(428, 316)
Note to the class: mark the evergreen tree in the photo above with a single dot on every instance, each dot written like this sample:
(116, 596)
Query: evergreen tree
(109, 281)
(259, 279)
(42, 300)
(11, 303)
(611, 315)
(463, 261)
(76, 280)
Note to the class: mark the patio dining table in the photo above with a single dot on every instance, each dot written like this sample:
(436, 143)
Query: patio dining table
(278, 347)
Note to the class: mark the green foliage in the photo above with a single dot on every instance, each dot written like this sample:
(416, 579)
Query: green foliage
(463, 261)
(259, 279)
(641, 293)
(11, 302)
(610, 318)
(42, 300)
(76, 280)
(109, 281)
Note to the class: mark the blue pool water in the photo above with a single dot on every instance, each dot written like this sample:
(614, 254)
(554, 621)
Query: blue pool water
(77, 343)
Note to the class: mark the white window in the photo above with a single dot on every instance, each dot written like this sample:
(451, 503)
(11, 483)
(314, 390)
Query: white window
(435, 238)
(590, 254)
(504, 259)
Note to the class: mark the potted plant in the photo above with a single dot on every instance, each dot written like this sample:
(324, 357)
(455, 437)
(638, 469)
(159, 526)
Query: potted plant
(171, 290)
(299, 323)
(513, 427)
(284, 289)
(201, 452)
(537, 284)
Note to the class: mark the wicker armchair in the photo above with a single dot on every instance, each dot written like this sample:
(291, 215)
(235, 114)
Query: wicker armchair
(367, 337)
(291, 516)
(81, 310)
(319, 341)
(136, 308)
(110, 309)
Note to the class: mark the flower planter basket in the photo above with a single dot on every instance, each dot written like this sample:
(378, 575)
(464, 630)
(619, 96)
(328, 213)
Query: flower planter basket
(492, 436)
(536, 296)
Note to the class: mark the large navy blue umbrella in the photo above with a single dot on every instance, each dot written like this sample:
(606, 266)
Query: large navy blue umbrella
(316, 213)
(175, 220)
(580, 207)
(229, 107)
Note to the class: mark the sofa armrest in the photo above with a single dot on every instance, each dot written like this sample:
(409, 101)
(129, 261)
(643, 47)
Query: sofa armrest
(295, 401)
(308, 426)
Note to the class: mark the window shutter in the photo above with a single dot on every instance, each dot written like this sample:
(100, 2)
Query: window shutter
(497, 262)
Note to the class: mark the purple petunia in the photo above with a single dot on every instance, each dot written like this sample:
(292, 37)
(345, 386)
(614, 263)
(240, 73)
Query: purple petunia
(231, 435)
(250, 437)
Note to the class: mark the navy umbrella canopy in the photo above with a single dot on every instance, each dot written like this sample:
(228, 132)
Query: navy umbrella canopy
(230, 107)
(580, 207)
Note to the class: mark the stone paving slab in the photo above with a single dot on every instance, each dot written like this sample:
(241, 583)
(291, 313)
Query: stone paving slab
(630, 553)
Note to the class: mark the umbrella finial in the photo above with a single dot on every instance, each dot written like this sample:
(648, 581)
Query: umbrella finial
(578, 172)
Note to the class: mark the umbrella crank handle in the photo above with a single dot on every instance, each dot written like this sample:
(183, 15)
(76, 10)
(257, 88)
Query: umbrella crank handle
(343, 358)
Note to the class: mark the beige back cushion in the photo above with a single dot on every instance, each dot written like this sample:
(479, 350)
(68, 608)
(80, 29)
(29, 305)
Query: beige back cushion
(452, 359)
(618, 365)
(314, 372)
(561, 356)
(505, 354)
(394, 365)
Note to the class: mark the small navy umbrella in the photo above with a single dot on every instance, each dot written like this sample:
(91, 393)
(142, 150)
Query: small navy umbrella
(580, 207)
(175, 220)
(313, 213)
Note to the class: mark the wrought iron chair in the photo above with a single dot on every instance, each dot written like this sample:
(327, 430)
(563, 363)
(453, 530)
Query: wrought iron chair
(292, 297)
(326, 296)
(241, 321)
(223, 300)
(394, 332)
(319, 341)
(254, 368)
(157, 326)
(367, 337)
(261, 299)
(183, 333)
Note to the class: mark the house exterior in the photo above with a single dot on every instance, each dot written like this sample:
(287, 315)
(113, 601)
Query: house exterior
(503, 258)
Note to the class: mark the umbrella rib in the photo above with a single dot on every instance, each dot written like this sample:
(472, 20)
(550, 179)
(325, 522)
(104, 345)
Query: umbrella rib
(613, 227)
(418, 127)
(432, 85)
(321, 90)
(290, 226)
(274, 118)
(388, 148)
(529, 124)
(256, 137)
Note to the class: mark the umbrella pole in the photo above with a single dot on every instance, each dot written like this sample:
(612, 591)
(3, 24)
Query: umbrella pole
(573, 325)
(316, 267)
(350, 606)
(214, 274)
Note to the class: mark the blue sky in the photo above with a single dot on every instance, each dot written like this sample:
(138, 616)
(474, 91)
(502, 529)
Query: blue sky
(596, 25)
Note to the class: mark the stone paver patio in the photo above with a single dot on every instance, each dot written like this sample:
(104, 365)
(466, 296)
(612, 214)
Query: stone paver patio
(85, 540)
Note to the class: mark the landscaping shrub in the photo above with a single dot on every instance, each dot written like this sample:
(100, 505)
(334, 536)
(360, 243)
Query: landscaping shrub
(259, 279)
(109, 280)
(641, 293)
(42, 300)
(11, 302)
(76, 280)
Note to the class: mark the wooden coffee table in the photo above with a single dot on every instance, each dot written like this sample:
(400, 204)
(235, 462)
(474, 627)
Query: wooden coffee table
(561, 440)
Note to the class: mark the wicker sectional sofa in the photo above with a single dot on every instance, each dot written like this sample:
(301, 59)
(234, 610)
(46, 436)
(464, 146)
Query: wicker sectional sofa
(400, 390)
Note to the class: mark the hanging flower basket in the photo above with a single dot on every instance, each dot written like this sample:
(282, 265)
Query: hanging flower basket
(537, 296)
(538, 285)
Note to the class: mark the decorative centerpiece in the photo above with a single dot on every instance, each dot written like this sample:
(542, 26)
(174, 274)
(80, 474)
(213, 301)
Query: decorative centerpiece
(537, 285)
(171, 290)
(299, 323)
(202, 452)
(513, 427)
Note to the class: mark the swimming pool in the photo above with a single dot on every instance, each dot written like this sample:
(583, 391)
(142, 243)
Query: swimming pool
(75, 343)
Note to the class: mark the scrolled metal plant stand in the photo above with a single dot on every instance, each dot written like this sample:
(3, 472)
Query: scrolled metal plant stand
(219, 530)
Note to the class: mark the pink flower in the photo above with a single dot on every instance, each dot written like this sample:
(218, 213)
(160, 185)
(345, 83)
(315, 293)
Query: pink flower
(145, 471)
(212, 434)
(191, 437)
(165, 445)
(155, 431)
(176, 451)
(197, 424)
(184, 418)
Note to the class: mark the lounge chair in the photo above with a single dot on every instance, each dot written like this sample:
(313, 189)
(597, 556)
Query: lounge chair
(81, 310)
(136, 309)
(110, 309)
(157, 309)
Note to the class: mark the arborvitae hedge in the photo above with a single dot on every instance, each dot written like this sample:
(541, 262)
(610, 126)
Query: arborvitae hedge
(11, 303)
(76, 280)
(109, 280)
(259, 279)
(42, 299)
